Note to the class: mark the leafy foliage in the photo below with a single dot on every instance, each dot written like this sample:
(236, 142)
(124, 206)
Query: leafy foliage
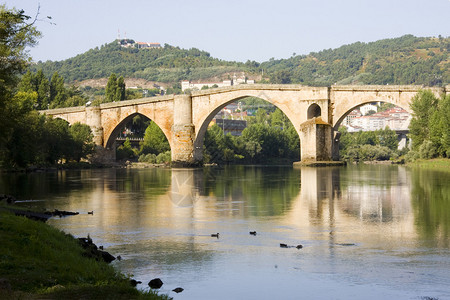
(167, 64)
(404, 60)
(268, 137)
(50, 93)
(430, 125)
(368, 145)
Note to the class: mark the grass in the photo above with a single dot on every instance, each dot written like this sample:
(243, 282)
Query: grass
(440, 164)
(40, 262)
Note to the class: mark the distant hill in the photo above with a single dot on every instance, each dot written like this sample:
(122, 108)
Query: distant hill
(404, 60)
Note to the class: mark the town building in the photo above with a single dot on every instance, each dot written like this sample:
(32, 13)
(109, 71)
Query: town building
(395, 118)
(196, 86)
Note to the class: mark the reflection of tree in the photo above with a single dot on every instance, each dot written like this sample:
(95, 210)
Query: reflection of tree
(374, 193)
(431, 203)
(269, 190)
(154, 181)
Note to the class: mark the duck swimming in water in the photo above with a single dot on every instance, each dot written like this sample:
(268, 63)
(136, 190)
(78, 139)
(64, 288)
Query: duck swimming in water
(215, 235)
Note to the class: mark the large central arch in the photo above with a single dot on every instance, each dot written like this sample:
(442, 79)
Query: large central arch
(204, 116)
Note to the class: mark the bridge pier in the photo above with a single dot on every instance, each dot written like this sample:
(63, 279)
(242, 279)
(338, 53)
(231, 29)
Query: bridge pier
(183, 132)
(316, 140)
(94, 120)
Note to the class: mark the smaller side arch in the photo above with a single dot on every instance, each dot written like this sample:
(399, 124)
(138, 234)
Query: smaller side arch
(314, 111)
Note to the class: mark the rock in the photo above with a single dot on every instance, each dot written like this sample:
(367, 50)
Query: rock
(106, 256)
(7, 198)
(155, 283)
(299, 246)
(91, 250)
(4, 284)
(178, 290)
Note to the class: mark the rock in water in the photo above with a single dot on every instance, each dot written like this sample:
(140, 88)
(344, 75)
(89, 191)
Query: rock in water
(155, 283)
(178, 290)
(299, 246)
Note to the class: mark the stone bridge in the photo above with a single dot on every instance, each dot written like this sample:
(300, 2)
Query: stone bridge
(315, 112)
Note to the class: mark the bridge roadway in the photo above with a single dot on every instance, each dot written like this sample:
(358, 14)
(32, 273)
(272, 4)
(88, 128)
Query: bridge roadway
(315, 112)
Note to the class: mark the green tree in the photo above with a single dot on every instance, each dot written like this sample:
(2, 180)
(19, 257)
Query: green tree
(445, 125)
(387, 138)
(120, 92)
(423, 106)
(125, 151)
(155, 140)
(17, 32)
(82, 138)
(111, 88)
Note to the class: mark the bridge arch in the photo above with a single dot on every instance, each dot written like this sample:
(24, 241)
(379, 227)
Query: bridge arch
(347, 98)
(204, 115)
(115, 129)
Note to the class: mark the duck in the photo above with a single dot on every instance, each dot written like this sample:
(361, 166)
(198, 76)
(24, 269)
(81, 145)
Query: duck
(134, 282)
(253, 232)
(283, 245)
(178, 290)
(90, 212)
(215, 235)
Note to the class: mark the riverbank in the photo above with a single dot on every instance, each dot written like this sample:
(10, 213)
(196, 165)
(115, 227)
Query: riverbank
(41, 262)
(438, 164)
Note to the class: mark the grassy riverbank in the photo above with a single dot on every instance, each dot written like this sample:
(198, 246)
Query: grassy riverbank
(38, 261)
(441, 164)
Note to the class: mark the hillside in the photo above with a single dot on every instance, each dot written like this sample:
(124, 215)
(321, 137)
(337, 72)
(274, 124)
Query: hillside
(404, 60)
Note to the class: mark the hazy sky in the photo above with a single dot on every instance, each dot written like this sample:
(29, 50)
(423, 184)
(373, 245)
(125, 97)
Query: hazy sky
(231, 29)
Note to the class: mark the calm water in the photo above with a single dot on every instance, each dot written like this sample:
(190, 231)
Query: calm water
(368, 232)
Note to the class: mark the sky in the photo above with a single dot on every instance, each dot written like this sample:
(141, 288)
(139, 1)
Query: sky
(237, 30)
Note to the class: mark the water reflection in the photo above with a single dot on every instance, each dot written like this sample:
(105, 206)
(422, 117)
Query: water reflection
(355, 222)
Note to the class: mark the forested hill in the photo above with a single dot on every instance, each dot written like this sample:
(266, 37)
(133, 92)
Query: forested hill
(165, 64)
(404, 60)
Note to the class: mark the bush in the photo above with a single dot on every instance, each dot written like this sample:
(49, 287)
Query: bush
(164, 157)
(148, 158)
(412, 156)
(368, 153)
(427, 150)
(125, 151)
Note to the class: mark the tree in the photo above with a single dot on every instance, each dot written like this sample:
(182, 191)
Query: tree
(120, 92)
(115, 88)
(387, 138)
(16, 33)
(155, 140)
(111, 88)
(83, 144)
(422, 105)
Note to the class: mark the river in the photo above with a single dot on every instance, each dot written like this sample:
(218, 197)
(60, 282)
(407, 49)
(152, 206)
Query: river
(367, 231)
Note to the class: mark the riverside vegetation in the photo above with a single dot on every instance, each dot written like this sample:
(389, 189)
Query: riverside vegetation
(41, 262)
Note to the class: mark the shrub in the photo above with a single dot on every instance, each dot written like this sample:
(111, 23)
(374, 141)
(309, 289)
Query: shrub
(427, 150)
(164, 157)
